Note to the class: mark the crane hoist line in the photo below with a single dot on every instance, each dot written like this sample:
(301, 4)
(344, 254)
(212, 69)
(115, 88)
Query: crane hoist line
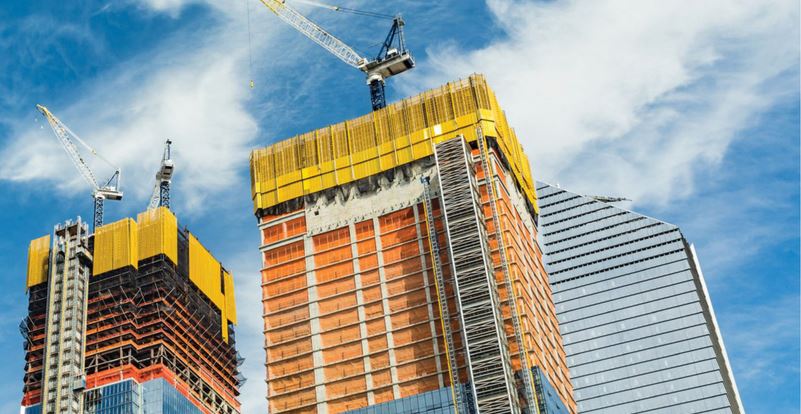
(392, 59)
(100, 192)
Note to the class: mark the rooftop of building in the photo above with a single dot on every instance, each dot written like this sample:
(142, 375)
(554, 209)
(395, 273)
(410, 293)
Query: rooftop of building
(126, 242)
(383, 140)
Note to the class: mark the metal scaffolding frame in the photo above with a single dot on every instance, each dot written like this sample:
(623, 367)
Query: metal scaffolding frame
(137, 322)
(491, 374)
(442, 299)
(511, 295)
(70, 269)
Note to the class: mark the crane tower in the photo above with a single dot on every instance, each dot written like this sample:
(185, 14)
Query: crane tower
(161, 191)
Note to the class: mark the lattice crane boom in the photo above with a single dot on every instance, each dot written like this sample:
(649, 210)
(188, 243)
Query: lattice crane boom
(110, 189)
(316, 33)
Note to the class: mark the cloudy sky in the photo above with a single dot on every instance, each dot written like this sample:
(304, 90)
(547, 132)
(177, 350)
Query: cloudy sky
(690, 109)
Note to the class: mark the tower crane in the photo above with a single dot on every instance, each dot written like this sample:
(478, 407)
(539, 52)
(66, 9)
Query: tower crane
(161, 191)
(392, 59)
(110, 190)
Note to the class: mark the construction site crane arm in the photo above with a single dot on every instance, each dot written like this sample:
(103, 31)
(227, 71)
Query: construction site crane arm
(110, 189)
(63, 134)
(316, 33)
(392, 59)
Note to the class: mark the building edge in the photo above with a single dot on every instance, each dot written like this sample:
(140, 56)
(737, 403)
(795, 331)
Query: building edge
(709, 314)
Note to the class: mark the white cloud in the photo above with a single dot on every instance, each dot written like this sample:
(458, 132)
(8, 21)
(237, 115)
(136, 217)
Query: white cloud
(197, 96)
(193, 89)
(628, 97)
(617, 97)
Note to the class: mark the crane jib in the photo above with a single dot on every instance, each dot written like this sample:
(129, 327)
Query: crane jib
(67, 139)
(392, 59)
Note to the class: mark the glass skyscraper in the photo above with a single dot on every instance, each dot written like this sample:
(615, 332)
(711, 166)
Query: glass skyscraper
(156, 396)
(637, 323)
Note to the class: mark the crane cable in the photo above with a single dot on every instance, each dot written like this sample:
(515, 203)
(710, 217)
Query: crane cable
(250, 48)
(346, 9)
(363, 50)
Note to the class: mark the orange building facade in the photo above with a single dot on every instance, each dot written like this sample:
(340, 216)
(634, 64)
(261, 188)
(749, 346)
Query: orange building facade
(353, 299)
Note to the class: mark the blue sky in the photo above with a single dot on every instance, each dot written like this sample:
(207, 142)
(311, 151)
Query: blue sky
(691, 109)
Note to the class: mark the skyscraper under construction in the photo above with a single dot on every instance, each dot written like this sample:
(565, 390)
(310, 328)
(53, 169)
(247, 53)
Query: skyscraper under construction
(136, 318)
(359, 315)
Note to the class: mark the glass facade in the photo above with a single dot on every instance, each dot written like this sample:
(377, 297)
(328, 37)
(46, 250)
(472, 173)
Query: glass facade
(433, 402)
(160, 397)
(128, 397)
(441, 401)
(118, 398)
(548, 398)
(34, 409)
(636, 320)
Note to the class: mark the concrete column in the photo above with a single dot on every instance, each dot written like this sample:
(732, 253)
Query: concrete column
(385, 305)
(314, 320)
(433, 314)
(362, 319)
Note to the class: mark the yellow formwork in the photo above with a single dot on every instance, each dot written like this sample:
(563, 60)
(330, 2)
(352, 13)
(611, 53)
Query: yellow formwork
(224, 325)
(230, 302)
(382, 140)
(116, 246)
(38, 259)
(217, 284)
(205, 272)
(125, 242)
(158, 234)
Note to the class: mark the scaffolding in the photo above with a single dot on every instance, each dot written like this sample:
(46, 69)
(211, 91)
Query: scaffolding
(144, 317)
(442, 299)
(489, 181)
(487, 353)
(32, 329)
(155, 317)
(70, 268)
(401, 133)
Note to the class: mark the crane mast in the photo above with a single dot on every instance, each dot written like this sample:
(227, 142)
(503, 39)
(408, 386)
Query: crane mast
(392, 59)
(110, 190)
(161, 191)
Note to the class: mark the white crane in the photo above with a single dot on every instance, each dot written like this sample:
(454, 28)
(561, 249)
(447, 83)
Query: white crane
(161, 191)
(392, 59)
(110, 190)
